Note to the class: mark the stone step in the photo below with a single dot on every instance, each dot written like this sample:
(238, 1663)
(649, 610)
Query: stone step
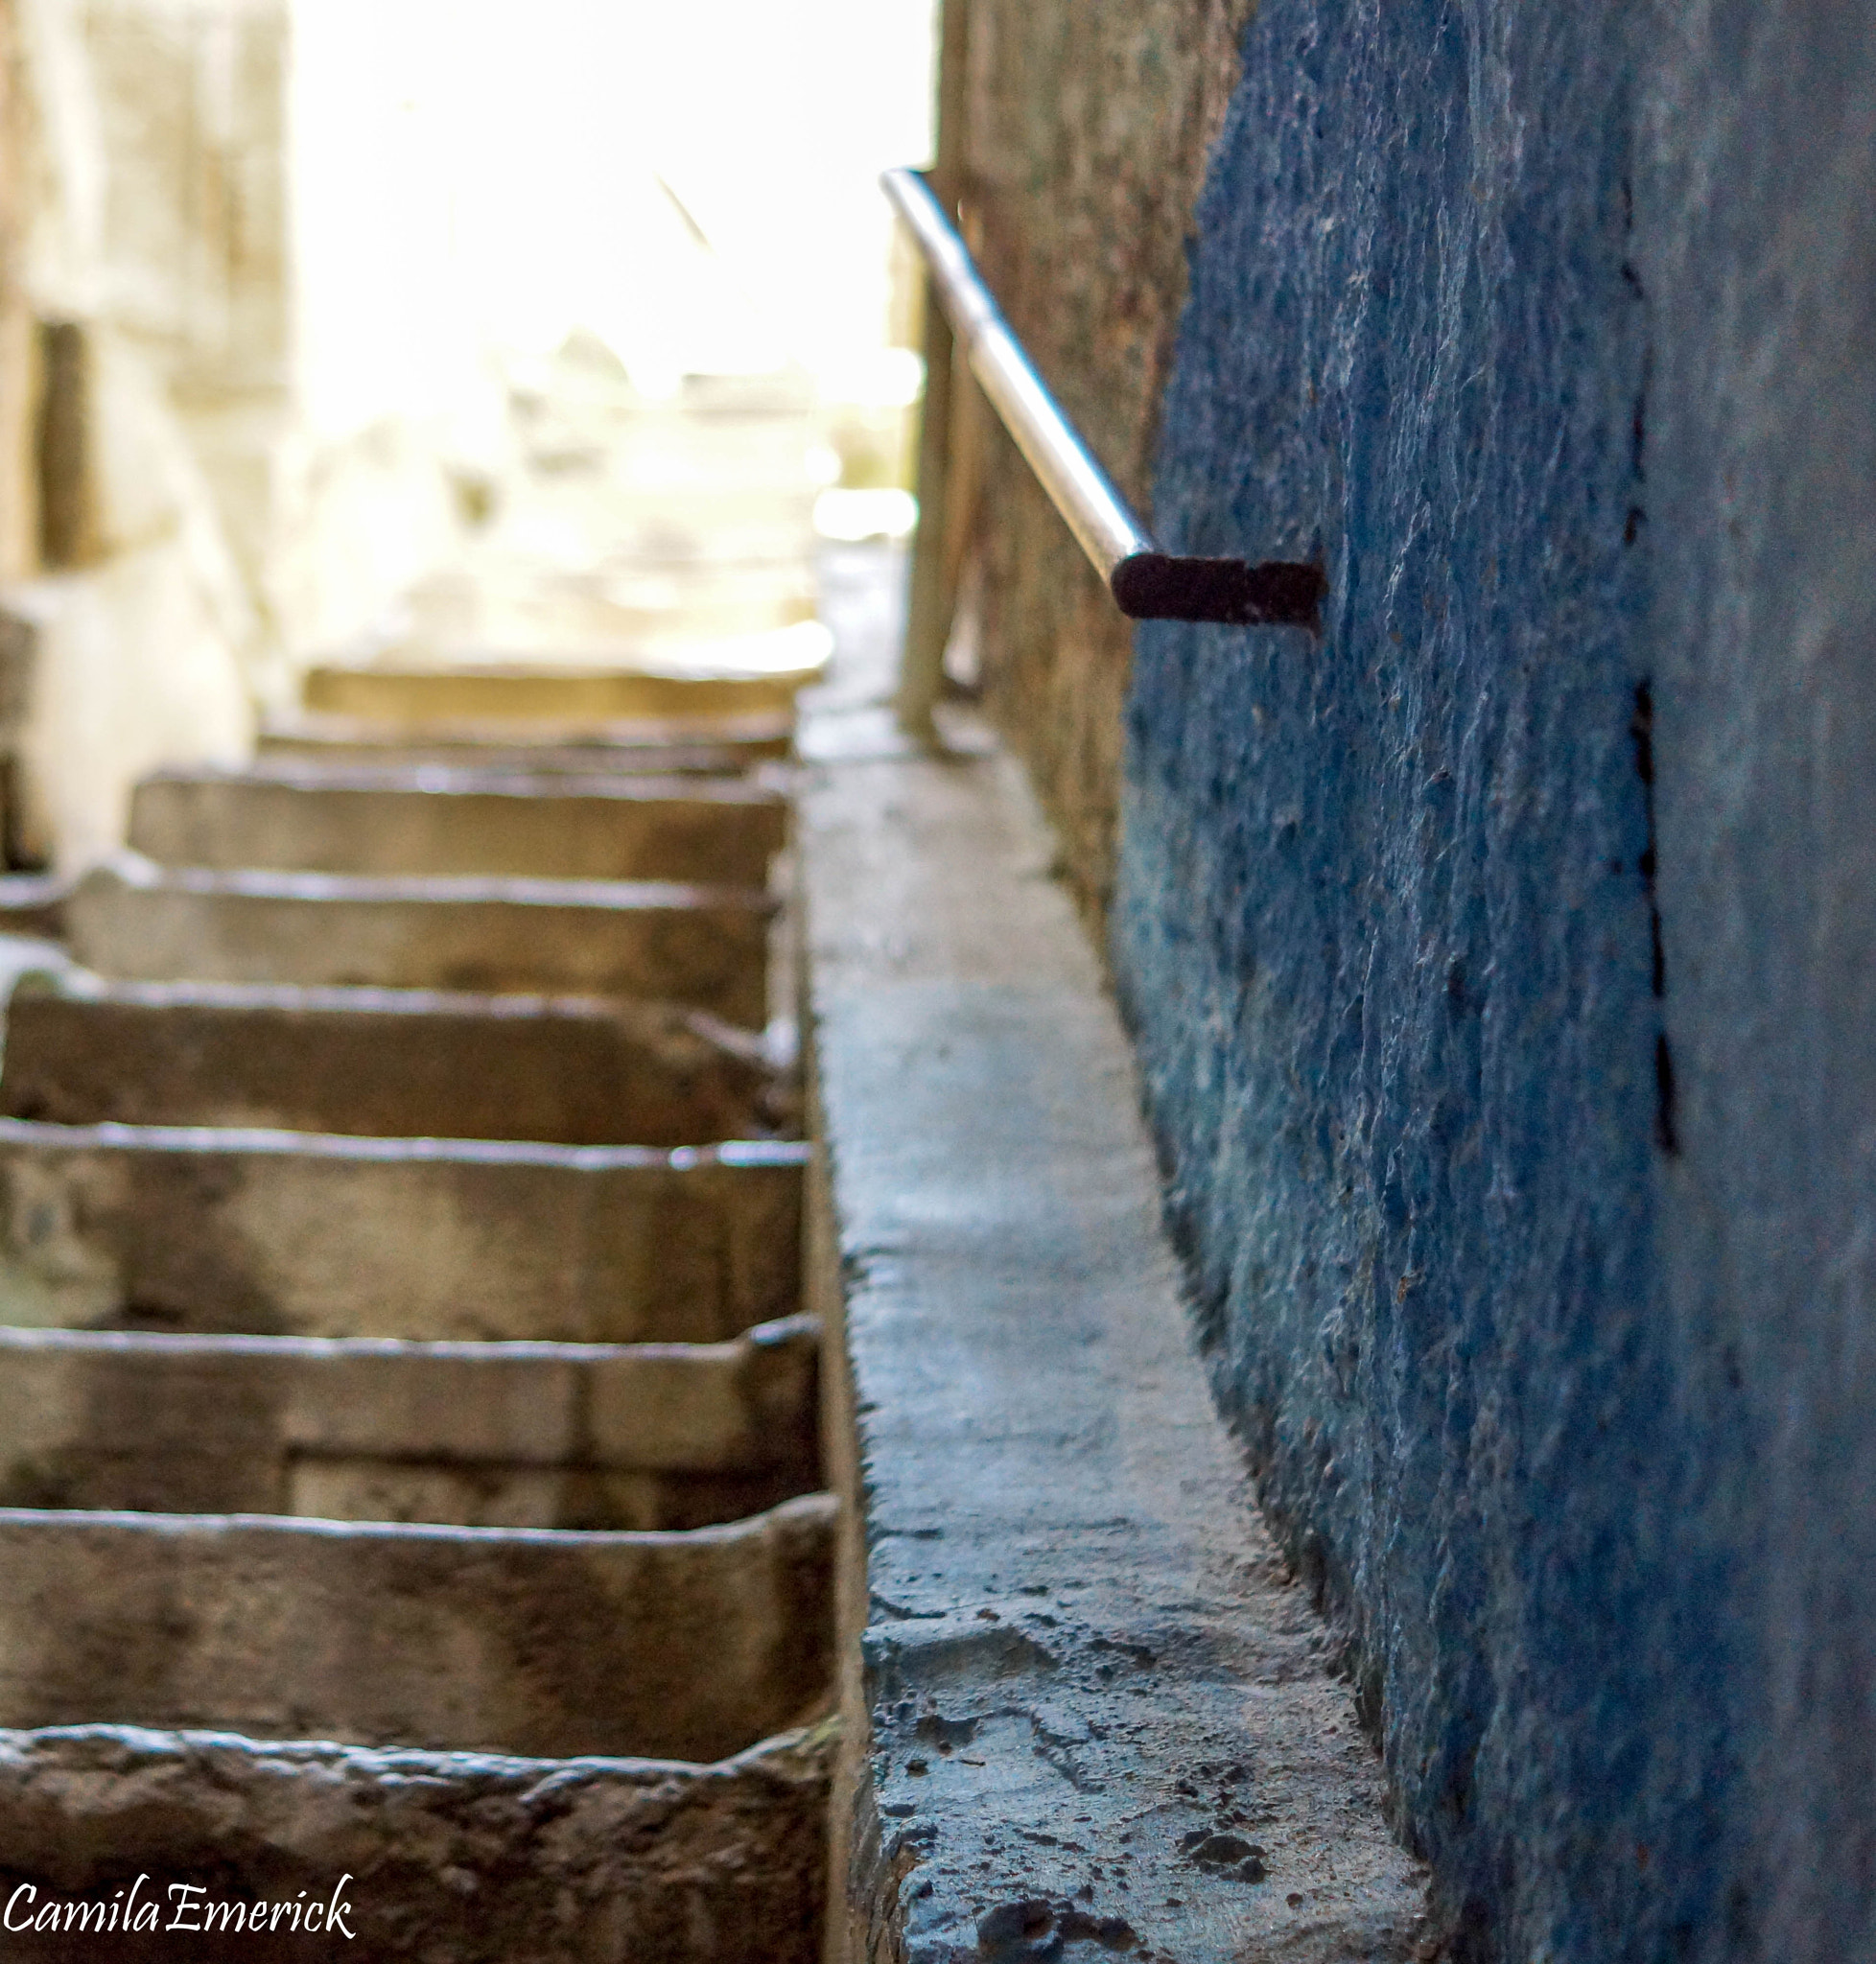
(385, 1063)
(690, 1645)
(423, 820)
(655, 746)
(560, 695)
(755, 675)
(667, 1435)
(297, 1235)
(704, 947)
(510, 600)
(473, 1858)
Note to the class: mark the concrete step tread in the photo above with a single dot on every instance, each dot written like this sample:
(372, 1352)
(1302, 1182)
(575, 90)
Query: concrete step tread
(490, 1434)
(688, 1644)
(134, 873)
(83, 1049)
(616, 744)
(107, 1136)
(791, 1332)
(604, 681)
(807, 1511)
(479, 1858)
(723, 832)
(705, 946)
(465, 779)
(203, 1228)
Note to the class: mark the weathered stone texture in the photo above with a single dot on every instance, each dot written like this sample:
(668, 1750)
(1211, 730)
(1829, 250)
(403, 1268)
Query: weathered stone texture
(516, 1435)
(1096, 1714)
(330, 819)
(298, 1234)
(18, 513)
(733, 679)
(386, 1064)
(658, 747)
(452, 1858)
(652, 940)
(1500, 961)
(690, 1645)
(1084, 136)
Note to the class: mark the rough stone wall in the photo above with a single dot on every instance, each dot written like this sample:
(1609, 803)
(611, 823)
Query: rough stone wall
(1502, 961)
(18, 508)
(191, 102)
(1756, 235)
(1084, 141)
(179, 530)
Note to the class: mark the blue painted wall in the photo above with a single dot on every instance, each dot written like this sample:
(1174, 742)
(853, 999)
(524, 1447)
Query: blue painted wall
(1503, 963)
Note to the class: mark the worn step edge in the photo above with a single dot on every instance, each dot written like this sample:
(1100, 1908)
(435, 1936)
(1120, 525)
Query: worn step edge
(414, 823)
(85, 1050)
(706, 946)
(739, 675)
(151, 1420)
(131, 872)
(107, 1136)
(625, 744)
(308, 1234)
(481, 1858)
(685, 1645)
(467, 775)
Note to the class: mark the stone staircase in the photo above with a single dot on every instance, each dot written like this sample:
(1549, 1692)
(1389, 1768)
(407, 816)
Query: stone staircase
(409, 1440)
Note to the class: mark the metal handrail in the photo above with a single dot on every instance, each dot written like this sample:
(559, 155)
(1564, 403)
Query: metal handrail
(1146, 584)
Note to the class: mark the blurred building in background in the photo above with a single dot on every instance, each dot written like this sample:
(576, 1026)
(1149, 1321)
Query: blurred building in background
(277, 273)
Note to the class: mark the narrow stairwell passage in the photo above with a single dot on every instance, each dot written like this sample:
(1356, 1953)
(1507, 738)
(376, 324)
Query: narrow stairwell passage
(409, 1457)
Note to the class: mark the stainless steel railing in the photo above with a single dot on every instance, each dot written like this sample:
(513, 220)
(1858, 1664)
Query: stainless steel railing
(1146, 584)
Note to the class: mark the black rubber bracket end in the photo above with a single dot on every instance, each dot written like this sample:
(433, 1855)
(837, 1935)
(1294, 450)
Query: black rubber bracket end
(1162, 586)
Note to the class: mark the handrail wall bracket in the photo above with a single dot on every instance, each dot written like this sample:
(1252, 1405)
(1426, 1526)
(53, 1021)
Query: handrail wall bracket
(1146, 584)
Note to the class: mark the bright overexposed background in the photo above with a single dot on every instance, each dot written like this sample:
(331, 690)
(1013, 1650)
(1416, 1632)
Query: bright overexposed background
(479, 175)
(352, 283)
